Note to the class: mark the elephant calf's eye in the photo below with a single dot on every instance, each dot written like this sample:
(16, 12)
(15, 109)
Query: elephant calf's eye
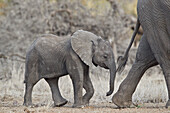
(105, 56)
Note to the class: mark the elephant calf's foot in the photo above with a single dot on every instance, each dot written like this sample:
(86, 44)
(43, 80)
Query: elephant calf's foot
(28, 104)
(79, 105)
(168, 104)
(85, 102)
(61, 103)
(82, 105)
(122, 101)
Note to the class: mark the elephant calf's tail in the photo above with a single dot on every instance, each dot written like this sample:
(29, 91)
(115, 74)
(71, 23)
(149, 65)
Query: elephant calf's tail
(122, 60)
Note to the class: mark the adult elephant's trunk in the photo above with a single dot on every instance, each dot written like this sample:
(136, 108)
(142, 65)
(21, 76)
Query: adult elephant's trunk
(112, 68)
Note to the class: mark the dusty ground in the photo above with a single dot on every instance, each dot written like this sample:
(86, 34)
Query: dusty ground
(11, 104)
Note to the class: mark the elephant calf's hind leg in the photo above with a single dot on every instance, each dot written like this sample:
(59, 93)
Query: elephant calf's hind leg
(29, 84)
(28, 95)
(56, 95)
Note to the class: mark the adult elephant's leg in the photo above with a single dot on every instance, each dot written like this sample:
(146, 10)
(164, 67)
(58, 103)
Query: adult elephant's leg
(167, 79)
(165, 65)
(56, 95)
(144, 60)
(87, 84)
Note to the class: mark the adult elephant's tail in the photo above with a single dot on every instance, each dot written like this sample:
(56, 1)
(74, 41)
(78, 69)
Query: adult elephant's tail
(123, 59)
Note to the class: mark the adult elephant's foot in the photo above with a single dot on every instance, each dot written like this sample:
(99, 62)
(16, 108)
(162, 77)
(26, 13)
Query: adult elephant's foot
(122, 101)
(168, 104)
(60, 103)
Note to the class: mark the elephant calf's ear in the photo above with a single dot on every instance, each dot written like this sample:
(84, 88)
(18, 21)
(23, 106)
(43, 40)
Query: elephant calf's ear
(81, 42)
(93, 46)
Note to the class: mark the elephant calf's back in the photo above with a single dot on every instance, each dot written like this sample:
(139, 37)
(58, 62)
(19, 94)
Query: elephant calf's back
(49, 54)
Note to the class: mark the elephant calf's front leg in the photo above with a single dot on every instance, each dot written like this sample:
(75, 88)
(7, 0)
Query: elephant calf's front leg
(75, 68)
(87, 84)
(78, 87)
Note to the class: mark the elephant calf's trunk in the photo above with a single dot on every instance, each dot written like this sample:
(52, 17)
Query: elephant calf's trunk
(112, 79)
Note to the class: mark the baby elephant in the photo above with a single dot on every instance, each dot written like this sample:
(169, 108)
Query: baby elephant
(51, 57)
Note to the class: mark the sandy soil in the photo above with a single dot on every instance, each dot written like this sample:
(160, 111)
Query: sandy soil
(11, 104)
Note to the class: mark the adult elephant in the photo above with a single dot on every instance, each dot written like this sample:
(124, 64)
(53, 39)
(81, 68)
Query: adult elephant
(154, 48)
(51, 57)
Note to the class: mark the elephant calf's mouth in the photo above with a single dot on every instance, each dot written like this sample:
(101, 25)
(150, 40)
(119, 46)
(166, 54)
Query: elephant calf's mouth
(94, 63)
(105, 66)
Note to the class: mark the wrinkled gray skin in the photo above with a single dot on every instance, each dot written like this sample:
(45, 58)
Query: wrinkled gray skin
(154, 48)
(51, 57)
